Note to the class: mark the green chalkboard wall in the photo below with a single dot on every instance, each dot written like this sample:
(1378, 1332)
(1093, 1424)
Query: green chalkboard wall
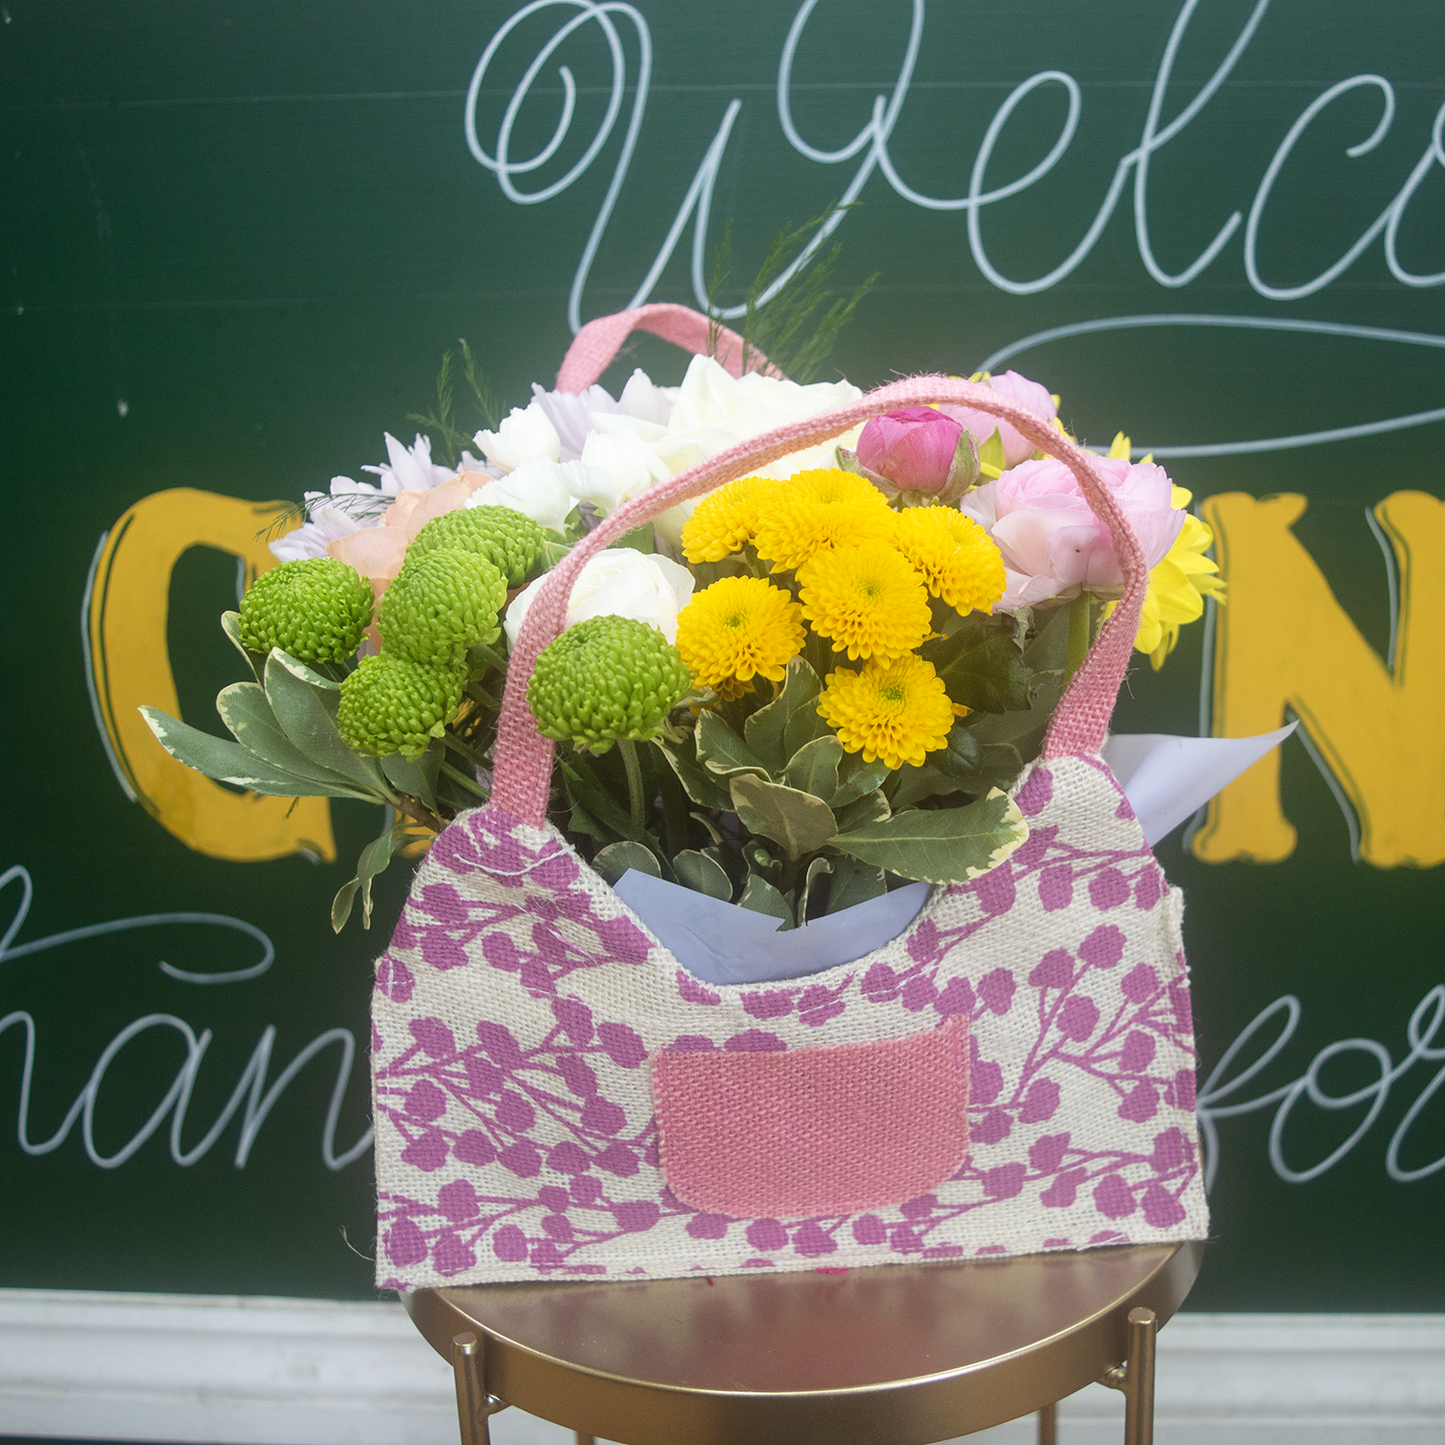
(234, 242)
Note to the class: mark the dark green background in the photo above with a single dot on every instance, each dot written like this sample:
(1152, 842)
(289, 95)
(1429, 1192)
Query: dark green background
(259, 226)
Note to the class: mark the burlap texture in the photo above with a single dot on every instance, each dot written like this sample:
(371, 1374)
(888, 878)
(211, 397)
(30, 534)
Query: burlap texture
(518, 1005)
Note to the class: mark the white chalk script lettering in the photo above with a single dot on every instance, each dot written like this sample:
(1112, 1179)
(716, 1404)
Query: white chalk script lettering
(1283, 1016)
(870, 149)
(251, 1087)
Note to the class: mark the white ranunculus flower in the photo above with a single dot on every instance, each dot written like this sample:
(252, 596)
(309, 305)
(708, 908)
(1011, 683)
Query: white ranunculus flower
(524, 435)
(640, 398)
(572, 414)
(584, 482)
(617, 467)
(620, 582)
(536, 489)
(711, 403)
(714, 411)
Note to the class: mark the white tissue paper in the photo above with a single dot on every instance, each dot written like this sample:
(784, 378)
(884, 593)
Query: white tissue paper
(722, 943)
(1166, 779)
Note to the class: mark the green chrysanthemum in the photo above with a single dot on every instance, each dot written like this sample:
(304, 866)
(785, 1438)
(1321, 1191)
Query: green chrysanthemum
(604, 679)
(389, 705)
(316, 609)
(508, 540)
(440, 605)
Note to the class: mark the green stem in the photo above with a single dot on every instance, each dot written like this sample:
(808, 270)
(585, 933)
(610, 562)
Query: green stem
(674, 809)
(462, 750)
(470, 784)
(1078, 635)
(595, 798)
(635, 799)
(414, 810)
(490, 655)
(480, 695)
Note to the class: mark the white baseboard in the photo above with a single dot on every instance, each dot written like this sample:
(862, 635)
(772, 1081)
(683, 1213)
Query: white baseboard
(253, 1371)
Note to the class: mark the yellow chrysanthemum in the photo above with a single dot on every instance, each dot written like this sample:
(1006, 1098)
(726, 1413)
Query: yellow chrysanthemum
(725, 521)
(959, 561)
(738, 629)
(818, 509)
(1178, 586)
(897, 710)
(867, 599)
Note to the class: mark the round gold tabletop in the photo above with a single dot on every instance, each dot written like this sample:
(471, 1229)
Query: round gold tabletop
(903, 1354)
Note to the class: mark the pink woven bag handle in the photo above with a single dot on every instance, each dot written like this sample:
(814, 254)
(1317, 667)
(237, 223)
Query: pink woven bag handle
(598, 342)
(523, 760)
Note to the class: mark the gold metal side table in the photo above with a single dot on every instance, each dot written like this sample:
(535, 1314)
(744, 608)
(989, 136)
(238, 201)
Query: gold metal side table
(896, 1355)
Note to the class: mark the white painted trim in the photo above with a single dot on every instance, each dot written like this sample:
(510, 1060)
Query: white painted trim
(257, 1371)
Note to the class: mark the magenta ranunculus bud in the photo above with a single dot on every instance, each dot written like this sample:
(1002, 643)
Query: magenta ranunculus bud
(918, 452)
(913, 447)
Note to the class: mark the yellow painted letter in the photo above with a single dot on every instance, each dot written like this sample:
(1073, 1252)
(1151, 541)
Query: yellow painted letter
(1285, 642)
(129, 663)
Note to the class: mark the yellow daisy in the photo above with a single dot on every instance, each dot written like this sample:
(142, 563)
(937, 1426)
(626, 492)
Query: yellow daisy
(897, 710)
(959, 561)
(816, 510)
(738, 629)
(867, 599)
(725, 521)
(1178, 584)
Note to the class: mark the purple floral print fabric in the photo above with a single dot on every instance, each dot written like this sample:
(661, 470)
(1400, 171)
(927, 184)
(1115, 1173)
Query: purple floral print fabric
(517, 1008)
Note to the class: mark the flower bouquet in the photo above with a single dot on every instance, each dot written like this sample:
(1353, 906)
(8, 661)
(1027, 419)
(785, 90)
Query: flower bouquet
(827, 931)
(815, 684)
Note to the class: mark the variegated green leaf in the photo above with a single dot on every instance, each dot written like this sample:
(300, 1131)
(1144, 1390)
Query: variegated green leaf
(856, 779)
(723, 752)
(766, 730)
(703, 787)
(229, 762)
(231, 626)
(854, 882)
(244, 709)
(702, 874)
(616, 858)
(417, 776)
(760, 895)
(982, 664)
(944, 845)
(374, 858)
(797, 821)
(819, 870)
(305, 707)
(814, 768)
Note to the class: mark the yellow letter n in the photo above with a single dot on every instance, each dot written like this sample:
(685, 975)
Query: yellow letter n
(1285, 643)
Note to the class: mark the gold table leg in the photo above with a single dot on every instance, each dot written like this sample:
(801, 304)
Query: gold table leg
(1049, 1425)
(474, 1405)
(1136, 1379)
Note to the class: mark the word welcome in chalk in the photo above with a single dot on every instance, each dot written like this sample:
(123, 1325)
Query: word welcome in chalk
(1285, 1013)
(871, 149)
(251, 1089)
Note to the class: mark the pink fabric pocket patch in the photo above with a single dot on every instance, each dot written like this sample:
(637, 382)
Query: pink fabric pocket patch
(813, 1131)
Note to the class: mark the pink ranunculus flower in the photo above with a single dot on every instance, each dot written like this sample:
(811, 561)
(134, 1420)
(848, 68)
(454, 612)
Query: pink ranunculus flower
(914, 451)
(1022, 392)
(1053, 545)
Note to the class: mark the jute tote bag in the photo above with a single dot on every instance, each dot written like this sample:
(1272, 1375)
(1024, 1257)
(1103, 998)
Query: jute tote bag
(557, 1098)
